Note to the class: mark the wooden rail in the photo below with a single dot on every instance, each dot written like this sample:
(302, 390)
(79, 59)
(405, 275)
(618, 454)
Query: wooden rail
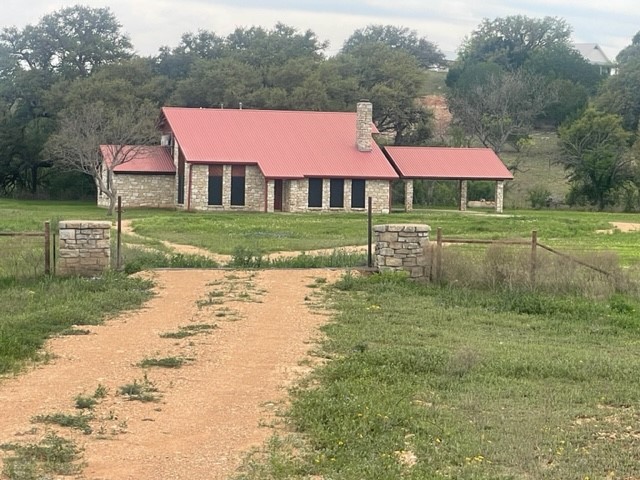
(440, 241)
(46, 234)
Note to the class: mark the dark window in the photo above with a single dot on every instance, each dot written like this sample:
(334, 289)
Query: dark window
(357, 193)
(215, 184)
(237, 185)
(315, 192)
(181, 179)
(336, 189)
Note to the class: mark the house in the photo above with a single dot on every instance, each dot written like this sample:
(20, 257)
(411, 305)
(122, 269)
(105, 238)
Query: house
(596, 56)
(270, 161)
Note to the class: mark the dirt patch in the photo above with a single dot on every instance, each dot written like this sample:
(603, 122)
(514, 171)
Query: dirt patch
(624, 227)
(211, 410)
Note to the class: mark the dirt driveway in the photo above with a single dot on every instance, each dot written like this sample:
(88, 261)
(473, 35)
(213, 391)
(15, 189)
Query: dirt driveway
(250, 332)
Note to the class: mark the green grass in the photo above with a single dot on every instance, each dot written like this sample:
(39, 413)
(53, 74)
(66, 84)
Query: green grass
(142, 391)
(34, 310)
(189, 331)
(79, 421)
(165, 362)
(434, 83)
(442, 382)
(51, 455)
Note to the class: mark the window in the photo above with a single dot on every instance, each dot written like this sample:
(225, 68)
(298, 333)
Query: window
(181, 179)
(315, 192)
(336, 193)
(357, 193)
(215, 185)
(237, 185)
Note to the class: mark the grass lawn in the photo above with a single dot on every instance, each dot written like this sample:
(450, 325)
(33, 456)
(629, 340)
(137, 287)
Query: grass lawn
(33, 310)
(429, 382)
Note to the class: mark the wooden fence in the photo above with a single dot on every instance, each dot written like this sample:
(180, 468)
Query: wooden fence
(47, 244)
(533, 243)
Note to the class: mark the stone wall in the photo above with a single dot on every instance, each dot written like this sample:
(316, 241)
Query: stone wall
(254, 189)
(402, 248)
(85, 248)
(151, 191)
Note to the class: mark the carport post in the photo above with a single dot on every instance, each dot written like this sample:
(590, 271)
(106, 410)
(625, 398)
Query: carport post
(463, 195)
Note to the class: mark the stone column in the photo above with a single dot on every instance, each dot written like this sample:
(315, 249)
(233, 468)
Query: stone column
(85, 248)
(226, 187)
(326, 193)
(499, 196)
(271, 193)
(401, 248)
(408, 195)
(463, 195)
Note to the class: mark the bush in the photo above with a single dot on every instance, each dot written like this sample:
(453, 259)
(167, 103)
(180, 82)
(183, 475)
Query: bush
(539, 197)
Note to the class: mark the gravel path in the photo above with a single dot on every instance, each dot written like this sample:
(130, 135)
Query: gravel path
(211, 410)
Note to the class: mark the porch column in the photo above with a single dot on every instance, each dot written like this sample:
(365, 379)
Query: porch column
(408, 195)
(499, 196)
(463, 195)
(270, 185)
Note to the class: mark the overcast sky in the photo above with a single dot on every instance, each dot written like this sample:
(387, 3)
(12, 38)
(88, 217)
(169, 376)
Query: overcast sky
(153, 23)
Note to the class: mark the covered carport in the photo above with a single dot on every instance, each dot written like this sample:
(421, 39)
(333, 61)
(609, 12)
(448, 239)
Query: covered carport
(447, 163)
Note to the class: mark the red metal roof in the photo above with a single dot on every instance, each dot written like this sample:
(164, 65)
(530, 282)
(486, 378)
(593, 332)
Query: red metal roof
(284, 144)
(449, 163)
(153, 159)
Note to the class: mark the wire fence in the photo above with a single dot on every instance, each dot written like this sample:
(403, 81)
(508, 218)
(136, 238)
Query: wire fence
(26, 254)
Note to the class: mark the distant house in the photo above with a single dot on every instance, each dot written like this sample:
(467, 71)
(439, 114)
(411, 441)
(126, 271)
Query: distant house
(270, 161)
(596, 56)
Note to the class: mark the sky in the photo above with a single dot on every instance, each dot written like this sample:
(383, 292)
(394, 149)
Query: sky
(154, 23)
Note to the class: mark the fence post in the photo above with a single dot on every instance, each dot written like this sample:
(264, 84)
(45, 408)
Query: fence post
(47, 248)
(118, 234)
(439, 254)
(534, 255)
(369, 234)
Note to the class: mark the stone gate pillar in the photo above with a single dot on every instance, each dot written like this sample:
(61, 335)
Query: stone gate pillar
(402, 247)
(85, 248)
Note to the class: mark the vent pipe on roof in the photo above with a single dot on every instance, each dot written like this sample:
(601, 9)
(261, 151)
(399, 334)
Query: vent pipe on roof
(240, 105)
(222, 106)
(364, 118)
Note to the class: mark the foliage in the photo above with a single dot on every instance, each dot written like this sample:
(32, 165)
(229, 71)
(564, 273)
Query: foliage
(90, 131)
(510, 41)
(539, 197)
(502, 109)
(79, 421)
(398, 38)
(620, 94)
(137, 259)
(595, 155)
(51, 455)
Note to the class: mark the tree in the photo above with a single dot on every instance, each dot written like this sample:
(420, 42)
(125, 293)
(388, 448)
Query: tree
(400, 38)
(630, 52)
(391, 79)
(127, 131)
(501, 110)
(595, 154)
(510, 41)
(72, 41)
(620, 94)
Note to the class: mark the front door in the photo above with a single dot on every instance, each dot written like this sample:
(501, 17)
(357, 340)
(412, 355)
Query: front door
(277, 195)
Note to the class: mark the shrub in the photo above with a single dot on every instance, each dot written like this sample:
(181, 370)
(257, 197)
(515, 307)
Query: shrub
(539, 197)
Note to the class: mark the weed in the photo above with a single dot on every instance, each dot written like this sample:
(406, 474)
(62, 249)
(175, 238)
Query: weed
(189, 331)
(137, 260)
(166, 362)
(79, 421)
(142, 391)
(53, 455)
(75, 331)
(85, 402)
(101, 391)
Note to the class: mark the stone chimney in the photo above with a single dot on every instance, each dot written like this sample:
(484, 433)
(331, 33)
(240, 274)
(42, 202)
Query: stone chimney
(364, 117)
